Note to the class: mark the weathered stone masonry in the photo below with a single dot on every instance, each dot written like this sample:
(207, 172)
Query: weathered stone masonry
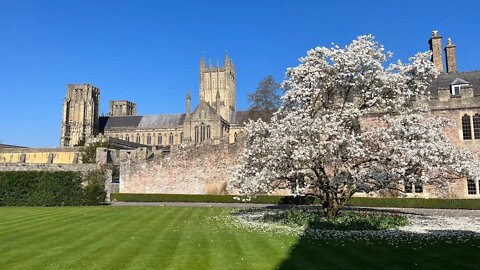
(190, 170)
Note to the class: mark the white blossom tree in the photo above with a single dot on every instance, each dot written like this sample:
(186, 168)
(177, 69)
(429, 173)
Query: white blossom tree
(349, 122)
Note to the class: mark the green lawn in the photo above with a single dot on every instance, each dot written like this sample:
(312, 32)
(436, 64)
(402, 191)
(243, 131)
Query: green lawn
(191, 238)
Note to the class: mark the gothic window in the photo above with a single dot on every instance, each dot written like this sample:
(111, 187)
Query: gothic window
(181, 137)
(471, 187)
(196, 134)
(476, 126)
(208, 132)
(149, 139)
(235, 137)
(159, 139)
(466, 127)
(137, 139)
(170, 139)
(127, 138)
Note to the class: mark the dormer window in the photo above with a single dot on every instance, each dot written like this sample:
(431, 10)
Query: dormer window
(457, 85)
(456, 90)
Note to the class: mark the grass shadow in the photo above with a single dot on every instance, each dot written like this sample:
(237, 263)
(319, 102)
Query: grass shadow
(445, 249)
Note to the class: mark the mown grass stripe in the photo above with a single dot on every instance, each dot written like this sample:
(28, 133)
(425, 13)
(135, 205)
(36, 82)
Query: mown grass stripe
(60, 251)
(30, 227)
(134, 238)
(49, 237)
(148, 257)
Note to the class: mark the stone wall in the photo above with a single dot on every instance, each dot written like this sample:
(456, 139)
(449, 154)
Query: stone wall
(201, 169)
(67, 155)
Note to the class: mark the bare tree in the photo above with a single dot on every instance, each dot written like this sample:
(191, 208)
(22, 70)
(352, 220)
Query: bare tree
(265, 100)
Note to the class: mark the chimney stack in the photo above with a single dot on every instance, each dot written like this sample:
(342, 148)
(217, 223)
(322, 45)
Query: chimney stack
(436, 48)
(451, 56)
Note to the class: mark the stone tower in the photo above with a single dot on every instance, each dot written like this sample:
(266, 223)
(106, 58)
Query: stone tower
(219, 80)
(122, 108)
(80, 119)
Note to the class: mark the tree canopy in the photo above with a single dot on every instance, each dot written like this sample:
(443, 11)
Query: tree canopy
(265, 100)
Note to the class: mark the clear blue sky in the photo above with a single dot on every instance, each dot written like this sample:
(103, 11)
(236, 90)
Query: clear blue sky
(148, 51)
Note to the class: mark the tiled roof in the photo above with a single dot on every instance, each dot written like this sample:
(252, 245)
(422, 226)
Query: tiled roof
(145, 121)
(444, 80)
(10, 146)
(162, 120)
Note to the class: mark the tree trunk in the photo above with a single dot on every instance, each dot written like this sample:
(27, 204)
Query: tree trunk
(331, 207)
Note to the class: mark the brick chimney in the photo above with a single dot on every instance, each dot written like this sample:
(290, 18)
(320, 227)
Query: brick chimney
(436, 48)
(451, 56)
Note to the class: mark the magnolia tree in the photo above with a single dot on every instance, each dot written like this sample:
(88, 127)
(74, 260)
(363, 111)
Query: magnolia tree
(349, 122)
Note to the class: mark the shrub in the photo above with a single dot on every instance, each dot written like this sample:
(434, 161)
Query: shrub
(89, 153)
(346, 220)
(94, 190)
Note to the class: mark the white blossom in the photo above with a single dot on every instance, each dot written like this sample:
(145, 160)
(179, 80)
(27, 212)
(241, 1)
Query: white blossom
(349, 122)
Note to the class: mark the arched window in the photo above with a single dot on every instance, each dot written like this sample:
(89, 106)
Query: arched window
(181, 137)
(196, 134)
(159, 139)
(170, 139)
(137, 139)
(471, 187)
(208, 132)
(466, 127)
(149, 139)
(235, 137)
(127, 138)
(476, 126)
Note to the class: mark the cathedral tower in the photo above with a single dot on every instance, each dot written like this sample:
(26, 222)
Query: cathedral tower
(80, 119)
(219, 80)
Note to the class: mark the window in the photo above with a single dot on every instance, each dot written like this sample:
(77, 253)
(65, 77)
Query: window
(196, 134)
(208, 132)
(170, 139)
(235, 137)
(149, 139)
(181, 137)
(127, 138)
(476, 126)
(408, 187)
(159, 139)
(137, 140)
(471, 187)
(466, 127)
(455, 90)
(418, 188)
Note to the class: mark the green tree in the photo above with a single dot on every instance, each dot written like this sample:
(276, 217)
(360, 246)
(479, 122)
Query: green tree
(89, 153)
(94, 189)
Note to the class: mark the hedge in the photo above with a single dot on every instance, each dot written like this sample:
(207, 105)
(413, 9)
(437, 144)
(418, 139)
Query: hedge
(434, 203)
(40, 188)
(267, 199)
(262, 199)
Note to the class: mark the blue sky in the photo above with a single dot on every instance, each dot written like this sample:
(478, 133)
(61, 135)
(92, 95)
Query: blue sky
(148, 51)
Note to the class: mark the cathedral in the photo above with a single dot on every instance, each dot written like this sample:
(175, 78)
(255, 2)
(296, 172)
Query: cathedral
(215, 117)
